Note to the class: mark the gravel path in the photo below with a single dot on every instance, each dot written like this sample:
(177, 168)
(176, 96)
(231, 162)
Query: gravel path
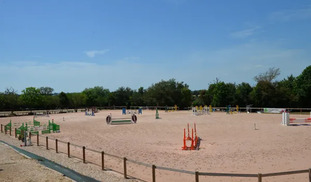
(17, 167)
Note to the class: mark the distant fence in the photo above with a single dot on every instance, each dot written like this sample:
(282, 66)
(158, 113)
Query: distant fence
(77, 151)
(33, 112)
(59, 111)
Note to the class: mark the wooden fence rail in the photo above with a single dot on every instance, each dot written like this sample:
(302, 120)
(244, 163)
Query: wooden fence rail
(196, 174)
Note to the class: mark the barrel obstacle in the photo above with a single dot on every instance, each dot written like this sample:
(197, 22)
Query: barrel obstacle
(287, 121)
(200, 110)
(193, 141)
(117, 121)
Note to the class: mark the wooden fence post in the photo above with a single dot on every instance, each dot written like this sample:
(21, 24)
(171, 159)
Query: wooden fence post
(103, 160)
(47, 143)
(56, 145)
(310, 175)
(83, 148)
(10, 130)
(68, 144)
(124, 165)
(15, 133)
(37, 139)
(259, 177)
(196, 176)
(153, 173)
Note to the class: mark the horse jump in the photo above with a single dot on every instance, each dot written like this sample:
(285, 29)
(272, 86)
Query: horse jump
(194, 140)
(116, 121)
(286, 120)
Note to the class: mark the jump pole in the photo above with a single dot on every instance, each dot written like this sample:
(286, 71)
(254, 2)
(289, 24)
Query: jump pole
(83, 151)
(192, 146)
(103, 160)
(184, 147)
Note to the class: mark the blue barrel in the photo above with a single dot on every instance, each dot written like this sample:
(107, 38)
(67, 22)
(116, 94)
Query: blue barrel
(124, 110)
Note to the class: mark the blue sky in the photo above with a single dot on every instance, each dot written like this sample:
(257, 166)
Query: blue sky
(71, 45)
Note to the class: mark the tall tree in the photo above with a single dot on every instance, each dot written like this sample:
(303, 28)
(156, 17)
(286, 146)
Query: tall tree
(303, 85)
(76, 100)
(222, 93)
(243, 91)
(263, 95)
(46, 90)
(268, 76)
(123, 96)
(97, 96)
(31, 98)
(137, 98)
(286, 92)
(63, 100)
(10, 99)
(169, 93)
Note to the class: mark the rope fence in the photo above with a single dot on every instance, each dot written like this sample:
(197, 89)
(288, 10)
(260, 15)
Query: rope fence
(80, 152)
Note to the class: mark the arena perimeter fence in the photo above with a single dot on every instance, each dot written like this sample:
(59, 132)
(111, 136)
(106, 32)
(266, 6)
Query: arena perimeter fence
(77, 151)
(59, 111)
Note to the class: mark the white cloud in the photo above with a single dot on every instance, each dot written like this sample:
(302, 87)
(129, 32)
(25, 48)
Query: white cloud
(233, 64)
(245, 33)
(241, 63)
(93, 53)
(291, 15)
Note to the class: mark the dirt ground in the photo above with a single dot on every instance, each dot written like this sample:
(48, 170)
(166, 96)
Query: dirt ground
(13, 166)
(238, 143)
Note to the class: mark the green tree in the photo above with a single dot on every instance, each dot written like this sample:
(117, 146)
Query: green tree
(46, 90)
(123, 96)
(10, 99)
(223, 94)
(97, 96)
(242, 94)
(286, 92)
(112, 99)
(200, 98)
(263, 95)
(169, 93)
(265, 92)
(268, 76)
(186, 97)
(303, 87)
(31, 98)
(63, 100)
(76, 100)
(137, 98)
(50, 101)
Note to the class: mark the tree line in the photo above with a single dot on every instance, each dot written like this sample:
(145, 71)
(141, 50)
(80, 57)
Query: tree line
(289, 92)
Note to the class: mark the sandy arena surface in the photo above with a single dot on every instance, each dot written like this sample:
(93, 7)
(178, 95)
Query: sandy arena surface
(230, 144)
(13, 164)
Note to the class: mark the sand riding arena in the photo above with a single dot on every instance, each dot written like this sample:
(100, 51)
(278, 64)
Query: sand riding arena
(238, 143)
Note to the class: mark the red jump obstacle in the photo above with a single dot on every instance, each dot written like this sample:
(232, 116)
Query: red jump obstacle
(195, 140)
(302, 120)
